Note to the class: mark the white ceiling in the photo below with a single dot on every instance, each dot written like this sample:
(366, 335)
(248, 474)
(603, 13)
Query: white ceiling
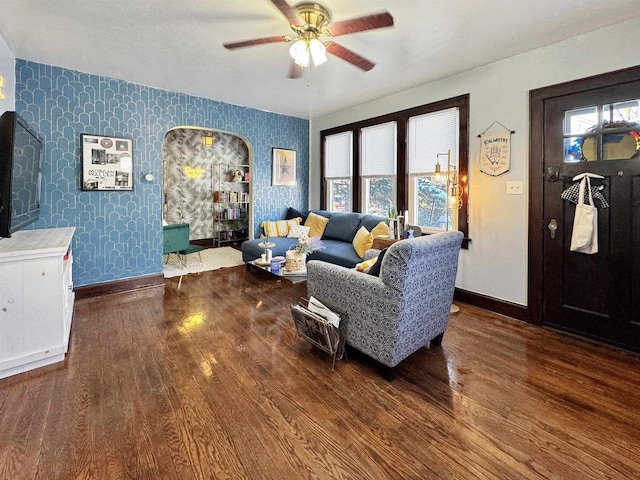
(177, 45)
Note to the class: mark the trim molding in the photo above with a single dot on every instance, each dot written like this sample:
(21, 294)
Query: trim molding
(513, 310)
(118, 286)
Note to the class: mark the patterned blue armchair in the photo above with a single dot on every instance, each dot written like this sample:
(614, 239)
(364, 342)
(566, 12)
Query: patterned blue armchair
(390, 317)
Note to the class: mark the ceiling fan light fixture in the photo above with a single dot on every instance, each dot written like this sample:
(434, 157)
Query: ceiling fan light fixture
(318, 51)
(311, 23)
(299, 51)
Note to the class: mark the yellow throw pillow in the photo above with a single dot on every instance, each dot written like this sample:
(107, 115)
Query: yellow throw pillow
(317, 223)
(366, 265)
(380, 230)
(279, 228)
(362, 241)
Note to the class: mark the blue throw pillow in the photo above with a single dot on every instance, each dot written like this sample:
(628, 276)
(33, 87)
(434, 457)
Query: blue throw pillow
(293, 213)
(370, 221)
(342, 226)
(322, 213)
(375, 269)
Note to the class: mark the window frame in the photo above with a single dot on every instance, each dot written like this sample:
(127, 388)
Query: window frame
(402, 178)
(365, 178)
(326, 190)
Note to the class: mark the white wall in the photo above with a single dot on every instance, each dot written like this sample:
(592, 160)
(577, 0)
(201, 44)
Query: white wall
(8, 72)
(496, 262)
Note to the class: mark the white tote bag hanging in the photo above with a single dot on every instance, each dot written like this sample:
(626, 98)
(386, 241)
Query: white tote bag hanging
(584, 237)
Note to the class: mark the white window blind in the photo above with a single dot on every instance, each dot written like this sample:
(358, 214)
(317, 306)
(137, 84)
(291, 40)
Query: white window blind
(338, 155)
(378, 155)
(429, 135)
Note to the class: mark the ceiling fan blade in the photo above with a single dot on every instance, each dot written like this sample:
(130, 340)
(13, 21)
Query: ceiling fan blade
(288, 11)
(257, 41)
(349, 56)
(360, 24)
(295, 71)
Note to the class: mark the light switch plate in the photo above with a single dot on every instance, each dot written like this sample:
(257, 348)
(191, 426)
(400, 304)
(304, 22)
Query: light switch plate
(515, 187)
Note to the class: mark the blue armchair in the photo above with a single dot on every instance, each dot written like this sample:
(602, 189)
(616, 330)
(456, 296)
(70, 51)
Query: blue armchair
(404, 309)
(175, 239)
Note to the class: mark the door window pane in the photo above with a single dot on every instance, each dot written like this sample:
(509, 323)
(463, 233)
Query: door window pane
(580, 120)
(619, 146)
(589, 148)
(628, 111)
(573, 149)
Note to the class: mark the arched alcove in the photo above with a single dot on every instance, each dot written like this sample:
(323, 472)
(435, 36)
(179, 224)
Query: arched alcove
(189, 175)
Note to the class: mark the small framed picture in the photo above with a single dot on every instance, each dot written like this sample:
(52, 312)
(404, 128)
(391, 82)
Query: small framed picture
(107, 162)
(284, 167)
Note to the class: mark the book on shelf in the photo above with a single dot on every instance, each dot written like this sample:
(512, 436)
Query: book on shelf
(221, 196)
(232, 235)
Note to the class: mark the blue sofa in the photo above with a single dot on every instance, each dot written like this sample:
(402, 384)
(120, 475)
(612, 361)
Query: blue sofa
(337, 239)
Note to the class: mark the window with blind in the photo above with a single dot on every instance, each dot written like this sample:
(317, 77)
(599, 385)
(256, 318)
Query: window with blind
(378, 161)
(433, 170)
(338, 170)
(394, 158)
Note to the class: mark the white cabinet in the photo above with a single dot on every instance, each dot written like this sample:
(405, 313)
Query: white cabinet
(36, 298)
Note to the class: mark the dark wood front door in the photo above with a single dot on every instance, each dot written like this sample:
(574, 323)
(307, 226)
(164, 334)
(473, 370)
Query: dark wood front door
(593, 295)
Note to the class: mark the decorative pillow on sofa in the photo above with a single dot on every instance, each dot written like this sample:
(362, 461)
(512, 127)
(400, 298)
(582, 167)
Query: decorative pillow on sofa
(366, 265)
(317, 224)
(370, 221)
(342, 226)
(380, 230)
(298, 231)
(375, 269)
(323, 213)
(279, 228)
(293, 213)
(362, 241)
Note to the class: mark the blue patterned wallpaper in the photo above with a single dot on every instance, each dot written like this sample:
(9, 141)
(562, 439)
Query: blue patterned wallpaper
(119, 234)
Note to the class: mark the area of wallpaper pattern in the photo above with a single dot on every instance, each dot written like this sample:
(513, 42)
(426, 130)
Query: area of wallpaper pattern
(119, 234)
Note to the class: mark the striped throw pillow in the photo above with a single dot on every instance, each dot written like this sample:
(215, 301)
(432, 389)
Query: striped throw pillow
(279, 228)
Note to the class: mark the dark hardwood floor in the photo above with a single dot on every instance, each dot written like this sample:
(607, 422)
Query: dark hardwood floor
(210, 381)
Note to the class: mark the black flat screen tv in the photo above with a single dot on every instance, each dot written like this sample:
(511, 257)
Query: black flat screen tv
(20, 174)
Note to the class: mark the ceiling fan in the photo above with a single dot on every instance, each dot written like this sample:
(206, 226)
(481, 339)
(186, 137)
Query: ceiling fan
(311, 23)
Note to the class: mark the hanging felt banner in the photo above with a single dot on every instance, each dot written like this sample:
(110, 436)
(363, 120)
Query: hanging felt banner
(495, 153)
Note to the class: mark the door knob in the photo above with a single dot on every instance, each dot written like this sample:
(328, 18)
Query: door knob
(553, 226)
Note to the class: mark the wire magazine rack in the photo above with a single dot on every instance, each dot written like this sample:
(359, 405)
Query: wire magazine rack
(317, 330)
